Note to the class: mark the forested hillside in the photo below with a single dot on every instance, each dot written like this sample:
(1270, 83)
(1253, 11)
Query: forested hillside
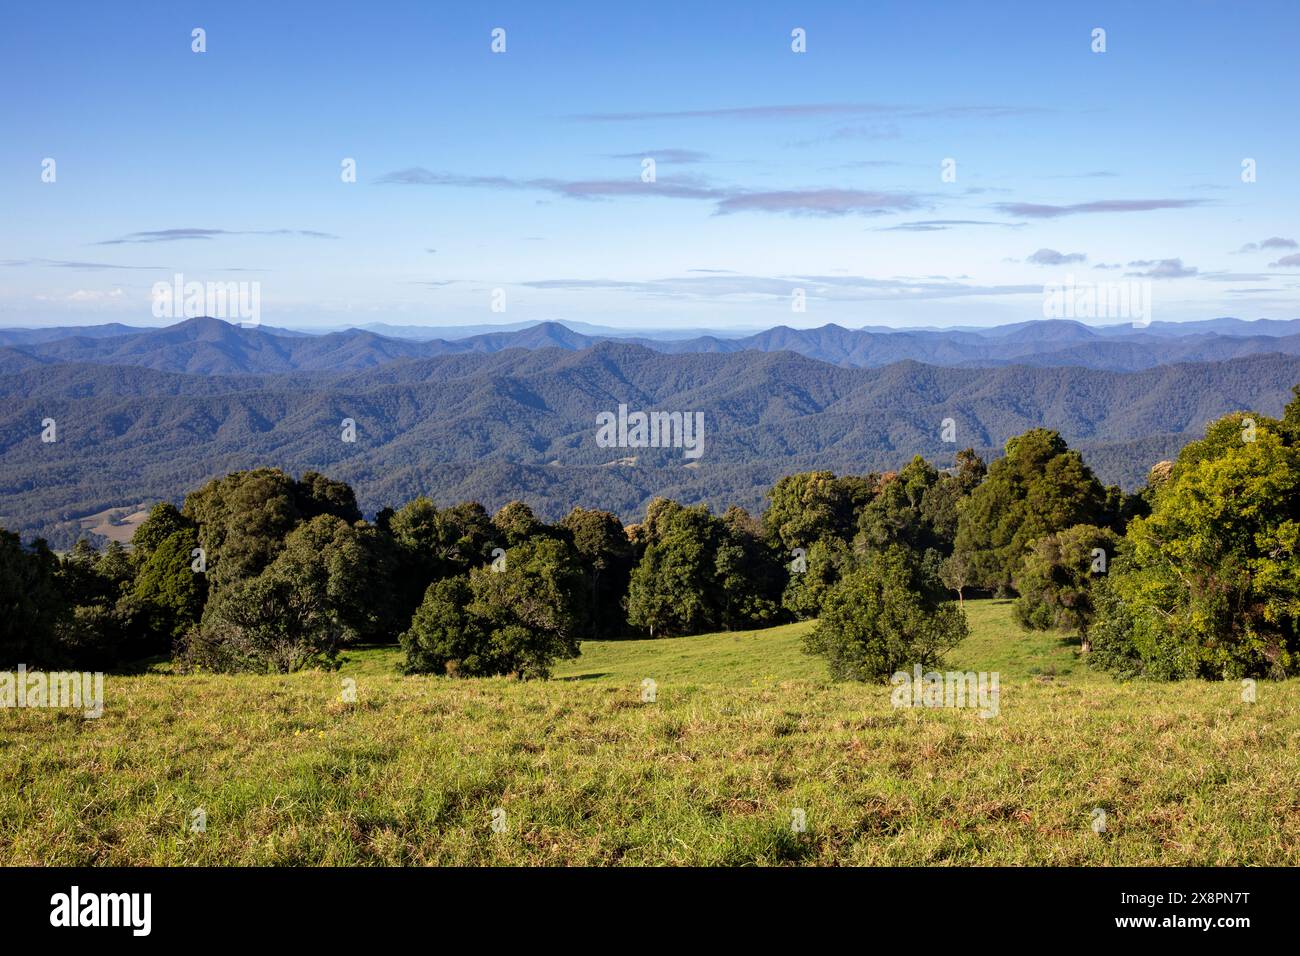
(497, 426)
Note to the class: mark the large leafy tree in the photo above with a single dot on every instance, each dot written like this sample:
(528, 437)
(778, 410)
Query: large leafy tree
(164, 521)
(812, 578)
(941, 499)
(516, 523)
(325, 588)
(315, 494)
(812, 505)
(432, 543)
(1037, 488)
(606, 555)
(32, 607)
(444, 637)
(169, 592)
(896, 515)
(1057, 579)
(1212, 588)
(671, 590)
(748, 575)
(242, 521)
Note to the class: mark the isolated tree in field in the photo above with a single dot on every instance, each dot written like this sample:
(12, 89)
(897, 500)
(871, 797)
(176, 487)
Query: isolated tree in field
(885, 616)
(1058, 579)
(533, 610)
(955, 573)
(444, 638)
(1212, 588)
(1037, 488)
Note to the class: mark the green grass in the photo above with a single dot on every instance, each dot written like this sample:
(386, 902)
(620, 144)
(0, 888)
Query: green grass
(745, 729)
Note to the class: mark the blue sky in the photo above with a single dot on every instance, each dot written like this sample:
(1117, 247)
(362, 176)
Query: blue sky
(775, 171)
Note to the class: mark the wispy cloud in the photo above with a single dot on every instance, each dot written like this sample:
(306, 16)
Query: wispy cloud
(727, 200)
(813, 110)
(1276, 242)
(183, 235)
(679, 187)
(1094, 174)
(1286, 262)
(1161, 269)
(1043, 211)
(74, 264)
(680, 156)
(938, 225)
(1050, 257)
(821, 202)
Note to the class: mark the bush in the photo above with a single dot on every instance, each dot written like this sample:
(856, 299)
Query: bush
(518, 620)
(884, 617)
(264, 624)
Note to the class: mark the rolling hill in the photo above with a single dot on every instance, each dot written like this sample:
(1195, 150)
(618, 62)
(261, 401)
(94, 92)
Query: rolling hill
(213, 347)
(521, 424)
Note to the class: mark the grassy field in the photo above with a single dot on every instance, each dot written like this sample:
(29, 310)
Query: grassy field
(745, 731)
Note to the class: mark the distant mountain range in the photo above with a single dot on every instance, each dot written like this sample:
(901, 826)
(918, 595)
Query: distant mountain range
(213, 347)
(149, 416)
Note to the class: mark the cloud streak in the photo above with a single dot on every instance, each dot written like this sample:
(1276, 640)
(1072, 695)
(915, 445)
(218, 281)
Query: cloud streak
(938, 225)
(1161, 269)
(184, 235)
(726, 200)
(1043, 211)
(680, 156)
(796, 111)
(820, 202)
(74, 264)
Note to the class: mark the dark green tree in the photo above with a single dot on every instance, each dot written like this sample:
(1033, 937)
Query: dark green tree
(885, 616)
(1212, 588)
(1058, 578)
(606, 556)
(1037, 488)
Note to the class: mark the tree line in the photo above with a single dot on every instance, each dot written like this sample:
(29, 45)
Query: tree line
(1196, 575)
